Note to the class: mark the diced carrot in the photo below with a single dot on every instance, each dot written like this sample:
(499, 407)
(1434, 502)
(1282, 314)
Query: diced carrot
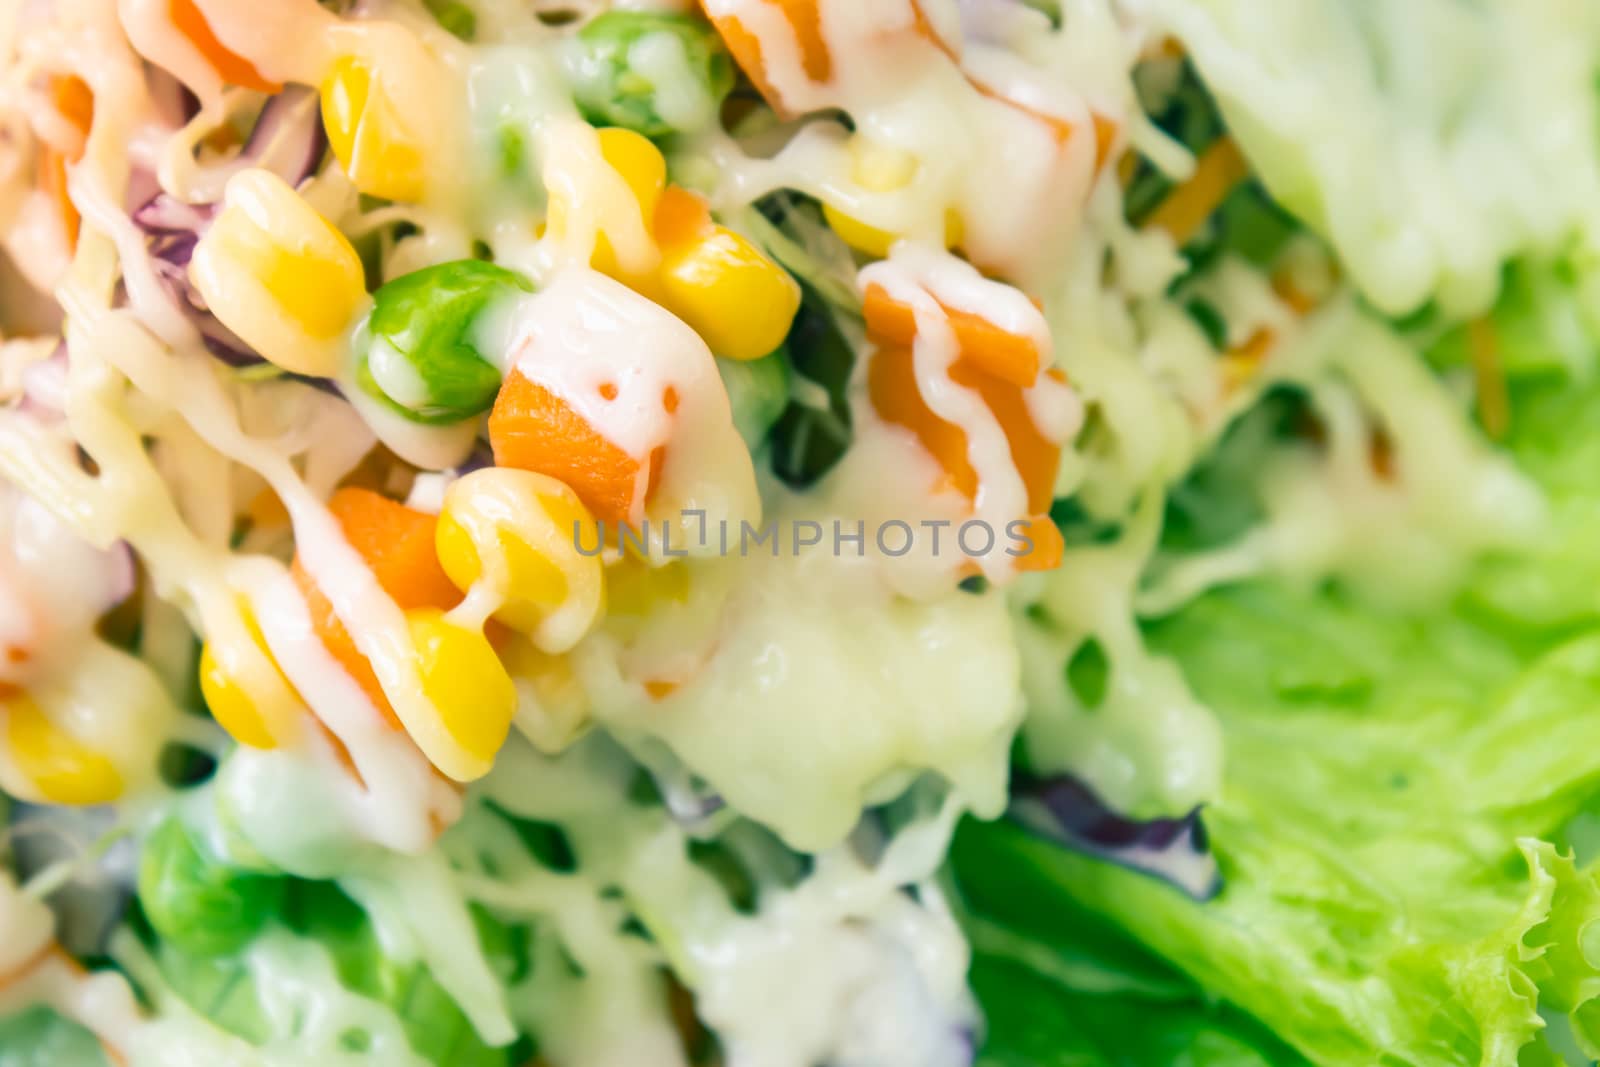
(72, 98)
(1008, 356)
(1105, 130)
(681, 217)
(805, 21)
(893, 388)
(1035, 456)
(534, 429)
(233, 68)
(660, 689)
(1186, 209)
(397, 543)
(53, 180)
(1048, 545)
(925, 29)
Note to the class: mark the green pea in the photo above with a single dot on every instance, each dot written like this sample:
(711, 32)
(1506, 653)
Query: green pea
(39, 1037)
(197, 901)
(758, 391)
(421, 356)
(650, 72)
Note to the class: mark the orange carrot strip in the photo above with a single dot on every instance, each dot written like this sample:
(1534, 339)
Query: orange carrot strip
(1105, 130)
(397, 544)
(805, 21)
(534, 429)
(1048, 545)
(1186, 209)
(233, 68)
(53, 180)
(73, 99)
(1008, 356)
(893, 389)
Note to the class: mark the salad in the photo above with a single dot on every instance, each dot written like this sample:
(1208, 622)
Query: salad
(799, 533)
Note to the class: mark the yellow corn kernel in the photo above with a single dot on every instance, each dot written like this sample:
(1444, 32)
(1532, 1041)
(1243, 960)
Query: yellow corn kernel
(367, 135)
(640, 163)
(518, 532)
(858, 235)
(466, 684)
(736, 298)
(246, 691)
(643, 170)
(876, 168)
(881, 168)
(57, 767)
(279, 275)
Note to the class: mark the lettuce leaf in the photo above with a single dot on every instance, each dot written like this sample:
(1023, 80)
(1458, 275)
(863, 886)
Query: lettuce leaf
(1387, 830)
(1062, 987)
(1384, 125)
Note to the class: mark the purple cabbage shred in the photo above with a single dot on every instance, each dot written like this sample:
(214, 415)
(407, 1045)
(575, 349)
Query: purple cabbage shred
(1174, 849)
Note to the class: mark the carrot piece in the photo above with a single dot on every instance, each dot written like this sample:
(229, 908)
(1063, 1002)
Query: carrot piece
(681, 217)
(892, 386)
(1186, 209)
(1105, 130)
(1008, 356)
(396, 542)
(234, 68)
(534, 429)
(923, 26)
(805, 21)
(1048, 545)
(72, 98)
(1035, 456)
(53, 180)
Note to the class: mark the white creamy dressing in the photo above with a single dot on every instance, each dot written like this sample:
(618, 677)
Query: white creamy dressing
(905, 91)
(824, 691)
(844, 968)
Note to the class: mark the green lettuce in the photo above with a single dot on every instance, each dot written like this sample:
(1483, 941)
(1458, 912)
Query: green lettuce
(1431, 141)
(1405, 827)
(1388, 831)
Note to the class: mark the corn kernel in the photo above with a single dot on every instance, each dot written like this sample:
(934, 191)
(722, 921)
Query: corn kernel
(247, 692)
(639, 162)
(880, 168)
(279, 275)
(858, 235)
(643, 170)
(367, 135)
(518, 531)
(736, 298)
(57, 767)
(465, 682)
